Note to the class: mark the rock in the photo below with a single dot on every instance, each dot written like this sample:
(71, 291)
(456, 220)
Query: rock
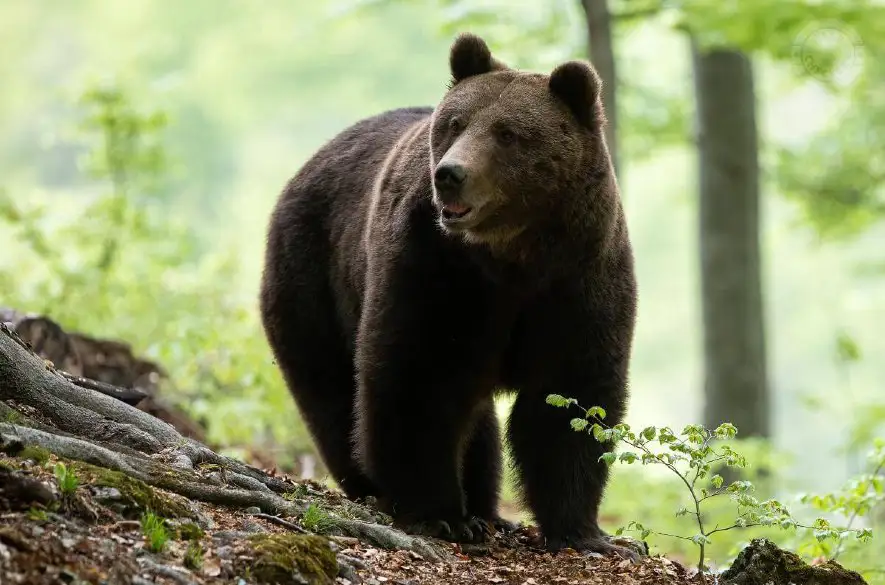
(106, 495)
(231, 536)
(224, 552)
(252, 510)
(289, 559)
(763, 563)
(253, 527)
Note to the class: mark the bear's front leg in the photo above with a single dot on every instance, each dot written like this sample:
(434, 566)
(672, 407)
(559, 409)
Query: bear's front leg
(422, 380)
(580, 349)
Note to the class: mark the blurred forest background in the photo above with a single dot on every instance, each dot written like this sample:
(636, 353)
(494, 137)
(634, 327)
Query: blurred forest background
(143, 144)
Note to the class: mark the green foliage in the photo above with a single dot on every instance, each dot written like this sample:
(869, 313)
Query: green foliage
(67, 479)
(189, 531)
(316, 519)
(13, 417)
(853, 503)
(698, 456)
(120, 266)
(299, 491)
(37, 515)
(38, 455)
(837, 178)
(153, 528)
(193, 556)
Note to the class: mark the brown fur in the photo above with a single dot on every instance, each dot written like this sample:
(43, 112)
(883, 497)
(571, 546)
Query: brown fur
(395, 314)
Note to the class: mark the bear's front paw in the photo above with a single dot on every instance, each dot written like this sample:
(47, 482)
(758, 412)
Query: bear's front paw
(605, 545)
(468, 530)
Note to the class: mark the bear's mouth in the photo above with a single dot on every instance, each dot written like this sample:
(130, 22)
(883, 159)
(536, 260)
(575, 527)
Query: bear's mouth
(455, 211)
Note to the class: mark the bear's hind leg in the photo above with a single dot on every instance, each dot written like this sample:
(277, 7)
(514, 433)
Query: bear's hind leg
(481, 466)
(300, 320)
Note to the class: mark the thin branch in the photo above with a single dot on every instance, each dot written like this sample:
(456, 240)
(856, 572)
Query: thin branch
(733, 526)
(280, 522)
(671, 535)
(720, 492)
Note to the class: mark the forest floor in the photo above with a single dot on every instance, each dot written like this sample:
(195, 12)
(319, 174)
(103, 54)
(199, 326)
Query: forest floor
(94, 490)
(94, 535)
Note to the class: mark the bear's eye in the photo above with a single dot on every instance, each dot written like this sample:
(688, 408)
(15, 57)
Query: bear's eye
(456, 126)
(506, 136)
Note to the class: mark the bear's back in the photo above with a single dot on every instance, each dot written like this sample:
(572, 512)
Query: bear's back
(323, 209)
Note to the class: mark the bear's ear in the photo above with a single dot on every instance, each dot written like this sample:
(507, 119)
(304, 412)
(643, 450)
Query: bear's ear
(471, 56)
(578, 85)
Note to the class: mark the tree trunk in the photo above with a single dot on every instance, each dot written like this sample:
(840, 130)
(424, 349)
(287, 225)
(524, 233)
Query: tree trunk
(736, 388)
(602, 55)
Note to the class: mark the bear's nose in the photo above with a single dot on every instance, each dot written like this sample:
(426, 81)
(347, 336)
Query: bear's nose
(449, 176)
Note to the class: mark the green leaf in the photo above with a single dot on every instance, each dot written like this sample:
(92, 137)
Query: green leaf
(846, 349)
(740, 487)
(716, 481)
(699, 539)
(648, 433)
(579, 424)
(725, 431)
(596, 411)
(628, 457)
(665, 435)
(560, 401)
(608, 458)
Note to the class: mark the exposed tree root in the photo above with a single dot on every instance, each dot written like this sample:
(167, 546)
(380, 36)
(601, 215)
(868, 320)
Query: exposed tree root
(75, 420)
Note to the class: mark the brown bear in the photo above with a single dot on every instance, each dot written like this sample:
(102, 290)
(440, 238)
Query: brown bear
(423, 260)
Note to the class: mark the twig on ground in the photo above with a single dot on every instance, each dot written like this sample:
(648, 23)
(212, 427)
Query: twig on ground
(280, 522)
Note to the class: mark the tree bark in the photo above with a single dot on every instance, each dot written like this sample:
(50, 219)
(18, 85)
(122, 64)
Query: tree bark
(736, 387)
(601, 53)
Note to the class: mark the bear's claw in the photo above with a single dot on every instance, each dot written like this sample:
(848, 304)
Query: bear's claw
(469, 530)
(605, 545)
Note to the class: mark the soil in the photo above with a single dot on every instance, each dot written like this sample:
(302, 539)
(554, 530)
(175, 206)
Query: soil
(94, 534)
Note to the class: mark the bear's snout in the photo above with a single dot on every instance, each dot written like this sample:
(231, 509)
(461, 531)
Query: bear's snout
(449, 177)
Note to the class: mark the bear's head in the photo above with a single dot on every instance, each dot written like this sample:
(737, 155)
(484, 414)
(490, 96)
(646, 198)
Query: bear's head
(512, 150)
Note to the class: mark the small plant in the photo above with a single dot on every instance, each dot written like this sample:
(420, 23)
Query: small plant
(193, 556)
(854, 501)
(38, 455)
(13, 417)
(316, 519)
(189, 531)
(66, 478)
(298, 492)
(153, 528)
(692, 456)
(37, 515)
